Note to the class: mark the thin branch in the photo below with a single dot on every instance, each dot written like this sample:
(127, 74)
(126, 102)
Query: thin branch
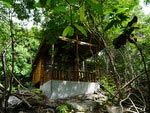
(70, 6)
(127, 84)
(134, 105)
(144, 102)
(19, 82)
(147, 75)
(131, 81)
(24, 100)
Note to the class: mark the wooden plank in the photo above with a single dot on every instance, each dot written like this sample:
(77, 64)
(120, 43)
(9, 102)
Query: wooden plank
(79, 42)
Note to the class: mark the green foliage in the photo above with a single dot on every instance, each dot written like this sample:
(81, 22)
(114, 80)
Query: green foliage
(95, 5)
(68, 31)
(25, 49)
(82, 13)
(108, 83)
(26, 45)
(81, 29)
(21, 11)
(60, 9)
(7, 3)
(147, 1)
(64, 108)
(116, 18)
(29, 4)
(71, 17)
(43, 2)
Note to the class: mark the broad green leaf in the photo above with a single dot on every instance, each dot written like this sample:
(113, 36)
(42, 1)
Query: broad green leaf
(81, 29)
(82, 13)
(68, 31)
(122, 16)
(37, 4)
(110, 25)
(122, 10)
(96, 6)
(8, 3)
(60, 9)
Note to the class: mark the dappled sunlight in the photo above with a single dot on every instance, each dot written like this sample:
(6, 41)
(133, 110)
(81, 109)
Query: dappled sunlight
(56, 89)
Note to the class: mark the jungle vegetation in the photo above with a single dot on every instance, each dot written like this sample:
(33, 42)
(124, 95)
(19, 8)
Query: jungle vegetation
(124, 63)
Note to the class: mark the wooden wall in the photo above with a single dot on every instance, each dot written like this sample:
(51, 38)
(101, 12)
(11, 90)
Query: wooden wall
(38, 72)
(54, 74)
(41, 75)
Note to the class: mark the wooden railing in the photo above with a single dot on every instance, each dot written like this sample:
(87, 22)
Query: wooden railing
(70, 75)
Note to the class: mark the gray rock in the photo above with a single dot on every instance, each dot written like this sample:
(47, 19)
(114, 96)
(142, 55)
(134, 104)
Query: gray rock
(22, 112)
(82, 106)
(100, 98)
(12, 101)
(114, 109)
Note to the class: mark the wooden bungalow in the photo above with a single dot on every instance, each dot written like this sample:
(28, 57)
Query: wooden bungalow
(63, 59)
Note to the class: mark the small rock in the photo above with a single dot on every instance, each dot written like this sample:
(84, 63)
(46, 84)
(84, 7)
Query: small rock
(100, 98)
(82, 106)
(114, 109)
(22, 112)
(12, 101)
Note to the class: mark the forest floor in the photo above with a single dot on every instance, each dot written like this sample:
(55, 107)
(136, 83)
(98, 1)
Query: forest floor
(34, 101)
